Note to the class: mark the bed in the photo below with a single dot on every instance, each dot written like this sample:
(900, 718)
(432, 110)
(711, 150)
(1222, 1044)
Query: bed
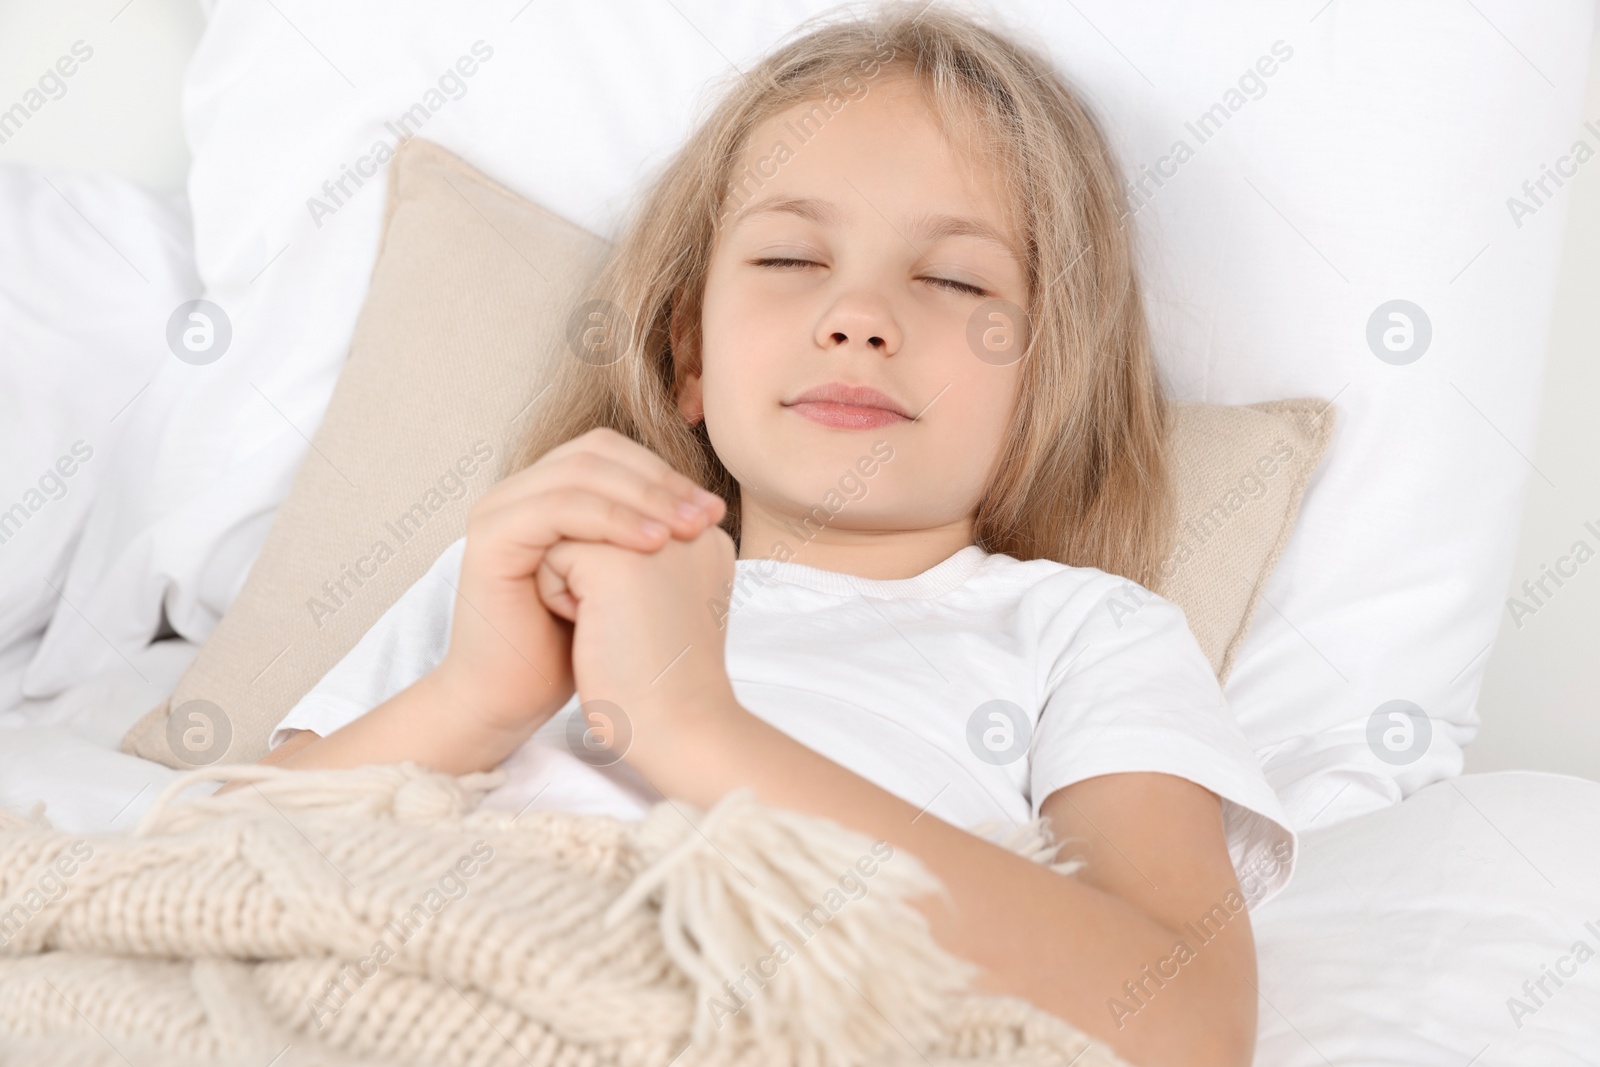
(1434, 918)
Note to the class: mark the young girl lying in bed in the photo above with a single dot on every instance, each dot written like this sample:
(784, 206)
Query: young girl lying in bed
(895, 605)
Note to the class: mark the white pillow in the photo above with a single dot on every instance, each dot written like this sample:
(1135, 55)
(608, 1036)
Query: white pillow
(91, 267)
(1371, 164)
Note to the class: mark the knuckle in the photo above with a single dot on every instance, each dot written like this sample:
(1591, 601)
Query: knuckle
(620, 513)
(665, 494)
(586, 463)
(579, 500)
(559, 503)
(673, 481)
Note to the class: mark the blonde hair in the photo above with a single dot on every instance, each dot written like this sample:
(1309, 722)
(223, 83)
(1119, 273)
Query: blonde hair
(1082, 477)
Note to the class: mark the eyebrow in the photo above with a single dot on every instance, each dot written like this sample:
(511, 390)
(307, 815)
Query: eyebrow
(929, 226)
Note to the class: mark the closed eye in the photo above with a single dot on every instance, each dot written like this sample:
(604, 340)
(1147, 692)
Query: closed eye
(949, 283)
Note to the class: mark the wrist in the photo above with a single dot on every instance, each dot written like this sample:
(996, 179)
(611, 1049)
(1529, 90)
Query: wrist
(469, 703)
(423, 724)
(681, 741)
(478, 724)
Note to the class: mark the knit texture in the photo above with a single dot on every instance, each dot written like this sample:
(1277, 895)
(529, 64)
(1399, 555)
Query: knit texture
(375, 917)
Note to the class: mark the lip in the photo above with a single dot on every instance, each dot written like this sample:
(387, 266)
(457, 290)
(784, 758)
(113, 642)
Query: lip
(848, 407)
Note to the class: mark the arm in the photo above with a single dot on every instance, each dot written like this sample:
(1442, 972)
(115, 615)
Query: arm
(1157, 860)
(407, 726)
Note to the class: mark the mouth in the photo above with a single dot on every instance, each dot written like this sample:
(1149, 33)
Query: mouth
(848, 407)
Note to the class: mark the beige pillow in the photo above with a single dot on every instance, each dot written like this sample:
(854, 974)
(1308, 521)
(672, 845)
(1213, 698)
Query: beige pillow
(1240, 474)
(466, 311)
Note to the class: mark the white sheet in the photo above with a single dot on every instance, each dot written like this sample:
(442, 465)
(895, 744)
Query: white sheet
(1406, 932)
(63, 751)
(91, 267)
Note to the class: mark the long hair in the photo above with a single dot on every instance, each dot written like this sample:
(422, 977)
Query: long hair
(1083, 477)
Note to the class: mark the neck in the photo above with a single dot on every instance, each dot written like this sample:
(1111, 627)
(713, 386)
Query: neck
(882, 555)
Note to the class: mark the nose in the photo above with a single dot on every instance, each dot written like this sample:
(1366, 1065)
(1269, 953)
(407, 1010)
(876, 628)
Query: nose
(859, 320)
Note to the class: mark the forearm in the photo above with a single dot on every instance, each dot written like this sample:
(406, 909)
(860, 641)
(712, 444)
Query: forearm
(1063, 945)
(422, 723)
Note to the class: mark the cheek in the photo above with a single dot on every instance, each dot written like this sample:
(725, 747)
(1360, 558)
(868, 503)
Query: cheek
(988, 393)
(745, 343)
(729, 371)
(981, 422)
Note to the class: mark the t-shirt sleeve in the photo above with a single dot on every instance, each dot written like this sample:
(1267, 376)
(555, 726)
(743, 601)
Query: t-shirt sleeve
(1131, 690)
(407, 641)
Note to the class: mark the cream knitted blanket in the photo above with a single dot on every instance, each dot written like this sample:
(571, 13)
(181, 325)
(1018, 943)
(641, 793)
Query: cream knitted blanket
(369, 917)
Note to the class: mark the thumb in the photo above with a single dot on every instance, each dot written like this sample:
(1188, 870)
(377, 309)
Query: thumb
(551, 581)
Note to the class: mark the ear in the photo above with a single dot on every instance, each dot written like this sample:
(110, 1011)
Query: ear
(691, 403)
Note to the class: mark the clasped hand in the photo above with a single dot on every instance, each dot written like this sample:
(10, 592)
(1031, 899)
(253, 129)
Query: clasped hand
(598, 569)
(648, 633)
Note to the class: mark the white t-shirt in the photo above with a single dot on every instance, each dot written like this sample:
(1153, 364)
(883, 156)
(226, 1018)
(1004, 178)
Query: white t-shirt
(974, 690)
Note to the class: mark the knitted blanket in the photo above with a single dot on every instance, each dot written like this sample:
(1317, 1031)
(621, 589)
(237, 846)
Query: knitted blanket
(374, 918)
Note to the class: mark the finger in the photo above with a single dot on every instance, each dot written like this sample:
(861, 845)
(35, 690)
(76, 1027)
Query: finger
(567, 513)
(606, 507)
(605, 476)
(629, 453)
(658, 491)
(552, 586)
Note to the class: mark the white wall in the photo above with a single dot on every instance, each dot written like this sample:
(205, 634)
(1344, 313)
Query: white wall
(120, 108)
(1541, 698)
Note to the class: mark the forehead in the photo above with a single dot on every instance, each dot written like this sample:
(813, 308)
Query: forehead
(878, 155)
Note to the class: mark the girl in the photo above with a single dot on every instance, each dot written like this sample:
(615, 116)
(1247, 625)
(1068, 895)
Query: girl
(882, 306)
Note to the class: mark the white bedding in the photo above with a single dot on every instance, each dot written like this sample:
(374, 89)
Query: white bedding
(91, 266)
(63, 751)
(1397, 944)
(1405, 932)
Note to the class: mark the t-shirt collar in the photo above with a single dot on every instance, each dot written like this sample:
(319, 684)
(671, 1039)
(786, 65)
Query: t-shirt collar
(937, 580)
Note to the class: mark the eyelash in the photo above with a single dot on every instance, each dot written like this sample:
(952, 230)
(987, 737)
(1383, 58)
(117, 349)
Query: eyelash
(950, 283)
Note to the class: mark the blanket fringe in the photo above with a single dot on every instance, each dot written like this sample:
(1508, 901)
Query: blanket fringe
(404, 791)
(792, 937)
